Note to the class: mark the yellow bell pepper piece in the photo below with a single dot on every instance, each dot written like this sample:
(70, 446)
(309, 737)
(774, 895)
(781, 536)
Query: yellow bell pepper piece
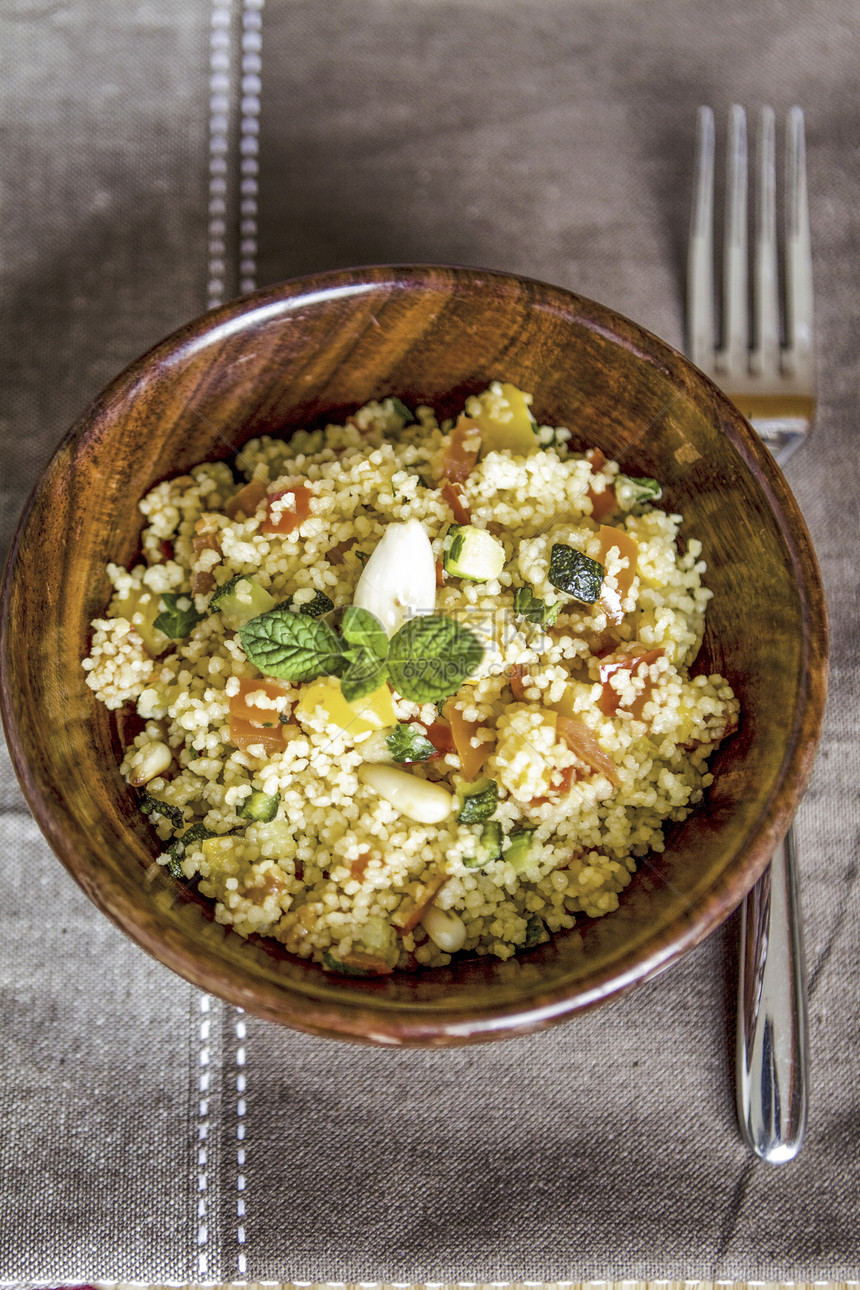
(374, 712)
(505, 421)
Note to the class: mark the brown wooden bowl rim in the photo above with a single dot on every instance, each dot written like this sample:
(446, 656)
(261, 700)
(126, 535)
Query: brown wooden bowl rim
(354, 1013)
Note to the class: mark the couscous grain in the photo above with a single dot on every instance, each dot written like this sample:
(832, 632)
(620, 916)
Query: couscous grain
(408, 689)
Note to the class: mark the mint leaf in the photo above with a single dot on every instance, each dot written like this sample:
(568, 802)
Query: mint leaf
(533, 609)
(292, 646)
(406, 744)
(366, 673)
(178, 616)
(360, 627)
(431, 656)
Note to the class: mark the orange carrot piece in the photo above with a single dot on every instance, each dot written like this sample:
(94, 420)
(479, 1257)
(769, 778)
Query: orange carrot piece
(609, 698)
(627, 549)
(288, 520)
(458, 460)
(516, 678)
(582, 742)
(245, 733)
(410, 913)
(601, 503)
(452, 496)
(239, 706)
(471, 758)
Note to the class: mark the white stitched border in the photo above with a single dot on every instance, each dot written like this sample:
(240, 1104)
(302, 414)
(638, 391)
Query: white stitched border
(249, 141)
(203, 1091)
(241, 1084)
(220, 93)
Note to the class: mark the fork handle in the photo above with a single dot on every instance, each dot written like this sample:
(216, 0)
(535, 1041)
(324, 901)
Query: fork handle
(772, 1041)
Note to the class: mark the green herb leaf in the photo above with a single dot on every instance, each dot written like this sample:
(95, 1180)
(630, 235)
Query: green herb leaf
(149, 805)
(478, 801)
(634, 492)
(401, 410)
(529, 606)
(292, 646)
(366, 672)
(430, 657)
(178, 847)
(361, 627)
(178, 616)
(406, 744)
(575, 574)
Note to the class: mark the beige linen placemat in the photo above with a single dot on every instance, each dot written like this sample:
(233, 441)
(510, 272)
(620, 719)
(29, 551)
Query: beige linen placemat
(159, 156)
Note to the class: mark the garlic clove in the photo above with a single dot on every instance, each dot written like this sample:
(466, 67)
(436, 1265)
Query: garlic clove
(399, 579)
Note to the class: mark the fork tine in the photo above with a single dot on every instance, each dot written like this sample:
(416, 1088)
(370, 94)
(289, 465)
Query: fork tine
(799, 358)
(700, 260)
(765, 357)
(734, 355)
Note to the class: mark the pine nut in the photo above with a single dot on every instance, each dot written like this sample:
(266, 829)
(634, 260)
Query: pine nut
(147, 762)
(445, 928)
(415, 798)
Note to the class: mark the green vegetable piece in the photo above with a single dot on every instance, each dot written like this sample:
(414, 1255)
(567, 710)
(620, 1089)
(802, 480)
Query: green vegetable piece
(366, 672)
(536, 933)
(575, 574)
(406, 744)
(519, 847)
(240, 599)
(259, 806)
(178, 847)
(401, 410)
(149, 805)
(529, 606)
(478, 801)
(489, 846)
(430, 657)
(292, 646)
(633, 493)
(472, 553)
(315, 608)
(361, 627)
(334, 964)
(178, 617)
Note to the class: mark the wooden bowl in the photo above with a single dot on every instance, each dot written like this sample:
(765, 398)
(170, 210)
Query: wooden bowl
(317, 348)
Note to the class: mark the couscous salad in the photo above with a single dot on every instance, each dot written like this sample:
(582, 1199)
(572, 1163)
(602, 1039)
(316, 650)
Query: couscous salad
(405, 689)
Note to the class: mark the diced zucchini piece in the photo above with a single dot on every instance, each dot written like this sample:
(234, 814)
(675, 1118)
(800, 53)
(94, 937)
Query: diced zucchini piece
(529, 606)
(180, 844)
(321, 604)
(489, 846)
(478, 801)
(240, 600)
(575, 573)
(472, 553)
(631, 492)
(519, 848)
(536, 933)
(149, 805)
(260, 806)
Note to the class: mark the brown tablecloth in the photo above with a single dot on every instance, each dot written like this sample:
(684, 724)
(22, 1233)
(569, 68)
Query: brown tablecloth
(157, 155)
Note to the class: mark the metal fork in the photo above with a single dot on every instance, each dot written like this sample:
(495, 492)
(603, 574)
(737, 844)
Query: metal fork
(772, 382)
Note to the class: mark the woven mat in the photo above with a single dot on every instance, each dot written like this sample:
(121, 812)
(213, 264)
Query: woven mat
(159, 156)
